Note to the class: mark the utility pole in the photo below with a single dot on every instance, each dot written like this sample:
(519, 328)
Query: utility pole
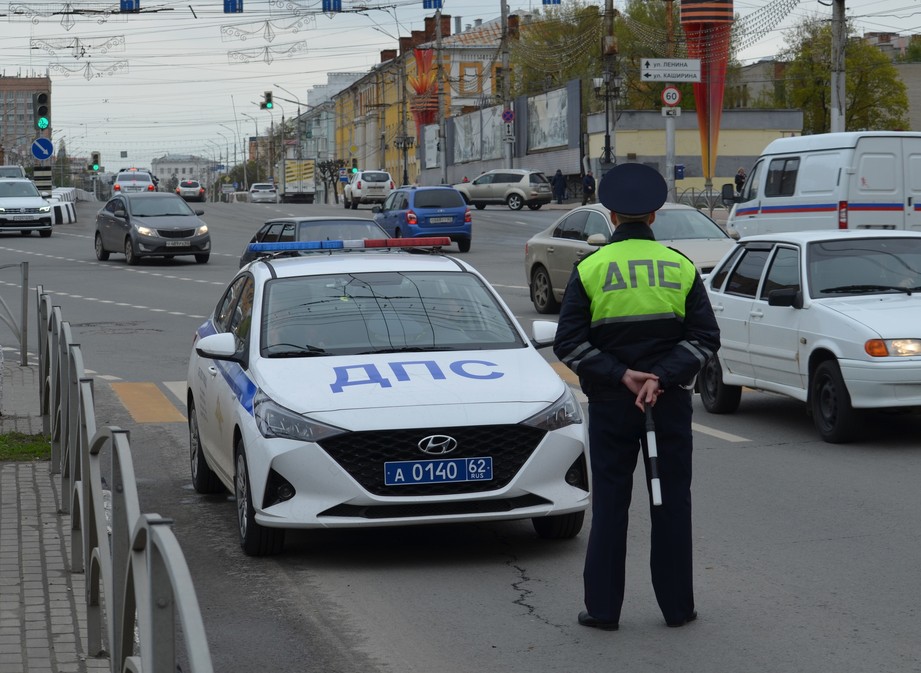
(442, 153)
(609, 64)
(507, 82)
(838, 44)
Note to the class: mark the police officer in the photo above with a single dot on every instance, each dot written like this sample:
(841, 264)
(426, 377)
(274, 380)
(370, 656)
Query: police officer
(636, 326)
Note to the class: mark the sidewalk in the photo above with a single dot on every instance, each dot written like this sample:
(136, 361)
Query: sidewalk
(42, 604)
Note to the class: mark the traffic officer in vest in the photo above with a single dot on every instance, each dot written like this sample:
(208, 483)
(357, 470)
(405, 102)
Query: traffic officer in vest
(636, 326)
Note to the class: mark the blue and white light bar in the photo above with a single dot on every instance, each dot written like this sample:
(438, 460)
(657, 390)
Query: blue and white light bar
(355, 244)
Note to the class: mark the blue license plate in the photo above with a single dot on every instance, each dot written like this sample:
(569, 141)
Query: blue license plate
(405, 472)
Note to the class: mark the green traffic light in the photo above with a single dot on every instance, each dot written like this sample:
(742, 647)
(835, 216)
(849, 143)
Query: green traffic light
(42, 122)
(269, 105)
(95, 167)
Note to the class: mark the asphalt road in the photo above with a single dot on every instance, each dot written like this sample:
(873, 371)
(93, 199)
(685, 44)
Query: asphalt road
(806, 552)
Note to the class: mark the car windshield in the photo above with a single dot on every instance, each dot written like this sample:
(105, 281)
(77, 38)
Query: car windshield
(375, 177)
(385, 312)
(683, 224)
(160, 207)
(17, 189)
(10, 172)
(438, 198)
(335, 231)
(864, 266)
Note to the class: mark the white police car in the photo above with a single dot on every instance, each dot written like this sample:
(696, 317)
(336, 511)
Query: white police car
(363, 385)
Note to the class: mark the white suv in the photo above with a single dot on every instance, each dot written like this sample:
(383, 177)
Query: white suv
(367, 187)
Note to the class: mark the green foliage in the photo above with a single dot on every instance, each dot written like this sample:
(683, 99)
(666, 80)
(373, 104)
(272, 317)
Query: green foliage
(875, 97)
(19, 446)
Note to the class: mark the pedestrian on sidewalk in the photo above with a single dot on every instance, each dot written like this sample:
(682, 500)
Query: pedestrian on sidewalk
(558, 183)
(588, 188)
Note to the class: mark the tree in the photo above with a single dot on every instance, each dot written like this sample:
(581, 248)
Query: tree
(875, 97)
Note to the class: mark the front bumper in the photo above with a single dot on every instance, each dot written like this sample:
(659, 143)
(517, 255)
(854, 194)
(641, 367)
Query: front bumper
(882, 384)
(154, 246)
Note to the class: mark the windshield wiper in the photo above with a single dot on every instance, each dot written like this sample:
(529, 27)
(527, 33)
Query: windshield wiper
(406, 349)
(295, 351)
(869, 288)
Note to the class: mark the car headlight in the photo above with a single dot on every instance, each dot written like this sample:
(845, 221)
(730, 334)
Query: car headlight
(880, 348)
(565, 411)
(146, 231)
(44, 209)
(273, 420)
(202, 230)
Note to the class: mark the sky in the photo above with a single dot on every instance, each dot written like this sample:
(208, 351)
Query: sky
(185, 78)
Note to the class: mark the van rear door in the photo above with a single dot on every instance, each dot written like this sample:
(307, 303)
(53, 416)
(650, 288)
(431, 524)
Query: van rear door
(877, 199)
(911, 148)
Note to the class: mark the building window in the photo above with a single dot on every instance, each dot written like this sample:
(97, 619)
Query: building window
(470, 79)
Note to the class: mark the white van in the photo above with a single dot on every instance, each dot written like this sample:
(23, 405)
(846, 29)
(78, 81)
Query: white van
(851, 180)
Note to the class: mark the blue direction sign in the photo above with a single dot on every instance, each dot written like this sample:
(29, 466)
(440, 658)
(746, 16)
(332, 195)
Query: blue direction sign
(42, 148)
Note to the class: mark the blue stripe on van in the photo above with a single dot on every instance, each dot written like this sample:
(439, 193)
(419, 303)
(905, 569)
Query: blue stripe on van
(802, 208)
(886, 207)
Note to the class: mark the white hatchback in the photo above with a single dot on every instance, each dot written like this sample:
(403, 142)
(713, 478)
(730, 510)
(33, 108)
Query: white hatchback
(263, 192)
(830, 317)
(366, 386)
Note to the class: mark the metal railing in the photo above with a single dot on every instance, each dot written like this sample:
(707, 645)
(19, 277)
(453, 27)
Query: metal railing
(139, 592)
(6, 315)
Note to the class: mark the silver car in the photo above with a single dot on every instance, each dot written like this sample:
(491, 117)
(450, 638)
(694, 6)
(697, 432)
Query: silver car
(23, 208)
(133, 181)
(551, 254)
(192, 190)
(263, 192)
(513, 187)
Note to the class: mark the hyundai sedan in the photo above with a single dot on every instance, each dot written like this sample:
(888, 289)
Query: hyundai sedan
(831, 318)
(359, 385)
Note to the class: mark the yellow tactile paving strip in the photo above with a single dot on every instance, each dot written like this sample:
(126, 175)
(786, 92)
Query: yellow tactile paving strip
(147, 404)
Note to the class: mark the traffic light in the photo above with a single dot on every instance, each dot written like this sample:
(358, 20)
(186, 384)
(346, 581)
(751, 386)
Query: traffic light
(94, 162)
(41, 109)
(354, 165)
(266, 103)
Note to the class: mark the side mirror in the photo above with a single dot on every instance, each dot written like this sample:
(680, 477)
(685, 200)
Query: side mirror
(221, 346)
(728, 194)
(376, 209)
(543, 332)
(122, 213)
(597, 240)
(199, 212)
(786, 297)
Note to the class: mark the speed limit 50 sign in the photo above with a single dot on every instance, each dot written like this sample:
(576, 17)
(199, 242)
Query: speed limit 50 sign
(671, 96)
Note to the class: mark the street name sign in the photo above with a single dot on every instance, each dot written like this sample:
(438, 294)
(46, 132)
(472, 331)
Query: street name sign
(670, 70)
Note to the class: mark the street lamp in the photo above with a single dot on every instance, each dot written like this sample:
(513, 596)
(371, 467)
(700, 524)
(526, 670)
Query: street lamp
(405, 143)
(611, 84)
(256, 158)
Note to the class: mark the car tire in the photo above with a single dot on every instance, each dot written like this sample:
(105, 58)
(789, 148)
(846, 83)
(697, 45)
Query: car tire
(101, 253)
(45, 233)
(464, 245)
(535, 206)
(716, 396)
(514, 201)
(830, 403)
(256, 540)
(558, 527)
(479, 206)
(204, 480)
(203, 258)
(131, 257)
(542, 291)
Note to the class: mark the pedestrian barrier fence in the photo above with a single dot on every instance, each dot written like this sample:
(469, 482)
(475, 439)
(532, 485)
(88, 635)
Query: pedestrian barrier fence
(20, 330)
(140, 601)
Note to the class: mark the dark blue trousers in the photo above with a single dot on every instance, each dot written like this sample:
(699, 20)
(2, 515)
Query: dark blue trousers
(617, 432)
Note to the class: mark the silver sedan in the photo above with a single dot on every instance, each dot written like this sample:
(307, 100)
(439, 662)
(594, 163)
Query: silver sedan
(551, 254)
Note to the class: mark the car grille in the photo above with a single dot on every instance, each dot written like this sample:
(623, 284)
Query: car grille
(363, 454)
(22, 211)
(436, 508)
(176, 233)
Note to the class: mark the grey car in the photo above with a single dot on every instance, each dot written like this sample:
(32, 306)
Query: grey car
(551, 254)
(151, 224)
(133, 181)
(513, 187)
(319, 228)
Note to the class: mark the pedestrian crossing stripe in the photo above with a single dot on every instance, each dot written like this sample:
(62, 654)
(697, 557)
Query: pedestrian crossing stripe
(146, 403)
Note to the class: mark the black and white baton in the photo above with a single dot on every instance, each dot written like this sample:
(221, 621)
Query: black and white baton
(653, 457)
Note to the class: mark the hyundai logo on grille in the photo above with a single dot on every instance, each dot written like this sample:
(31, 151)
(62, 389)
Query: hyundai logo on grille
(437, 445)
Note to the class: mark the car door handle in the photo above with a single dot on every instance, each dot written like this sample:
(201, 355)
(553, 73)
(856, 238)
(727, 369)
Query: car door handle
(756, 314)
(718, 308)
(212, 370)
(550, 249)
